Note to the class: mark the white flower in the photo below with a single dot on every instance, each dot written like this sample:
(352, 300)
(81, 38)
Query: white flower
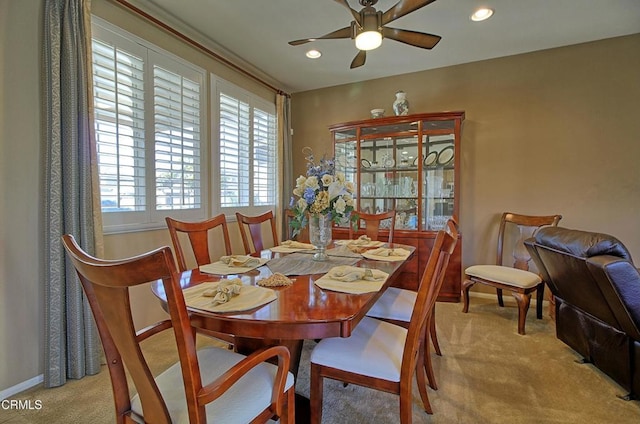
(350, 186)
(302, 204)
(298, 191)
(327, 179)
(340, 205)
(336, 189)
(340, 177)
(300, 181)
(312, 182)
(348, 199)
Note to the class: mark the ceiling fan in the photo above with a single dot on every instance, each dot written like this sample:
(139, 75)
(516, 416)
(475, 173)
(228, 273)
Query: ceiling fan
(369, 28)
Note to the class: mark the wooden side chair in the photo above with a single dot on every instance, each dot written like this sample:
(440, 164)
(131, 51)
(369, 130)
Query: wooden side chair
(517, 279)
(381, 355)
(372, 223)
(254, 226)
(209, 385)
(198, 233)
(396, 305)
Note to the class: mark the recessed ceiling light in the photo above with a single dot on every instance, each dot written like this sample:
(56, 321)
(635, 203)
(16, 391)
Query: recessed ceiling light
(313, 54)
(481, 14)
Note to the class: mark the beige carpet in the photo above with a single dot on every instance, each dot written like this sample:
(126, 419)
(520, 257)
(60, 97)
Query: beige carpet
(487, 374)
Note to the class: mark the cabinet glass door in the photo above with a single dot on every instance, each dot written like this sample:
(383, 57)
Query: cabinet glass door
(439, 180)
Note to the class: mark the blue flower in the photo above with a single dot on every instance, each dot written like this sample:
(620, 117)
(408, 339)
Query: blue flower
(309, 195)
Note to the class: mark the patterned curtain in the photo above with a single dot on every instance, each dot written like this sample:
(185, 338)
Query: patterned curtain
(71, 204)
(285, 156)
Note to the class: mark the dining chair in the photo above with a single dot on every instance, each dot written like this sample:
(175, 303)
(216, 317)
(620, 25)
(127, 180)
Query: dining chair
(396, 305)
(198, 234)
(381, 355)
(254, 226)
(517, 279)
(372, 223)
(208, 385)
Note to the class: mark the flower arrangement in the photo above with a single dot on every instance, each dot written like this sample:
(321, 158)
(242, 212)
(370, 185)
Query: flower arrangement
(322, 191)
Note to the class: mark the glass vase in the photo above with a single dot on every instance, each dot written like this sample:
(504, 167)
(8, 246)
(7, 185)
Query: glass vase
(320, 235)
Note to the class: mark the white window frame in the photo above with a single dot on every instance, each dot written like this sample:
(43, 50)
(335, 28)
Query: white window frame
(151, 218)
(218, 86)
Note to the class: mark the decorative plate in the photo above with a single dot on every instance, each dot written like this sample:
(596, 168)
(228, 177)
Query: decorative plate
(445, 156)
(365, 163)
(431, 159)
(389, 163)
(415, 161)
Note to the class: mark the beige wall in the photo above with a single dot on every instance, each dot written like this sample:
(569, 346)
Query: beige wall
(555, 131)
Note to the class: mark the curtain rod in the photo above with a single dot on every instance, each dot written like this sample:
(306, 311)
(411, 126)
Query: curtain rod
(198, 45)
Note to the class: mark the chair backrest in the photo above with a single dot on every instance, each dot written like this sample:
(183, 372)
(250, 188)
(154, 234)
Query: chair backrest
(198, 233)
(430, 285)
(255, 224)
(106, 285)
(527, 226)
(372, 224)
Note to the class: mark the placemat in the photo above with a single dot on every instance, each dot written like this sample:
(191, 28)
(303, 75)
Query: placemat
(359, 286)
(250, 297)
(303, 264)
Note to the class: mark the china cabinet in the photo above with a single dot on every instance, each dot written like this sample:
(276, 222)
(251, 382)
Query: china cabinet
(410, 164)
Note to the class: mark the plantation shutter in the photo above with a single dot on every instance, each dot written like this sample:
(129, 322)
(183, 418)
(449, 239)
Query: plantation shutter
(177, 141)
(234, 152)
(120, 131)
(264, 158)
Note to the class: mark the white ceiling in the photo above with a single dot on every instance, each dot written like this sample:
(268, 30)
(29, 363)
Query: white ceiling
(258, 32)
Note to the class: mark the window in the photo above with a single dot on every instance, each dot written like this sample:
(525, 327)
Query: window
(148, 111)
(247, 149)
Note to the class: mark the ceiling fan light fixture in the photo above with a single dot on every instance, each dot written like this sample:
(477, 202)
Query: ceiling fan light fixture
(368, 40)
(313, 54)
(482, 14)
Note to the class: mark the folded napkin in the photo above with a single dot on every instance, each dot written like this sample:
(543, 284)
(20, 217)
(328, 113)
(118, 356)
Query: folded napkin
(351, 274)
(224, 291)
(387, 254)
(244, 261)
(297, 244)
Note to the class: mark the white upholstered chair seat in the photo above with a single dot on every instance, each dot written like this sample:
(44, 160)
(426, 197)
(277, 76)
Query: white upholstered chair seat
(239, 404)
(504, 274)
(374, 349)
(395, 304)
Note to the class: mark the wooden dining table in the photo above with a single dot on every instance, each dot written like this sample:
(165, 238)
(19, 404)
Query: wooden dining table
(300, 311)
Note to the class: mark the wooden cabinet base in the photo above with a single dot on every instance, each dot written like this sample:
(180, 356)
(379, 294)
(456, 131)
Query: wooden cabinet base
(410, 277)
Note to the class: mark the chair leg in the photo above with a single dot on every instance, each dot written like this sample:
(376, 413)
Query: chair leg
(420, 378)
(315, 390)
(428, 366)
(288, 413)
(466, 285)
(539, 300)
(434, 334)
(500, 300)
(523, 301)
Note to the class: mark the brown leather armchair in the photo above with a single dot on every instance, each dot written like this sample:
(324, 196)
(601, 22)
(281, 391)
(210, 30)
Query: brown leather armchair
(597, 292)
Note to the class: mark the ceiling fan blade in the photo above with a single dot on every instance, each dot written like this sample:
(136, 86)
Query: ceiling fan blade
(340, 33)
(354, 13)
(413, 38)
(359, 60)
(402, 8)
